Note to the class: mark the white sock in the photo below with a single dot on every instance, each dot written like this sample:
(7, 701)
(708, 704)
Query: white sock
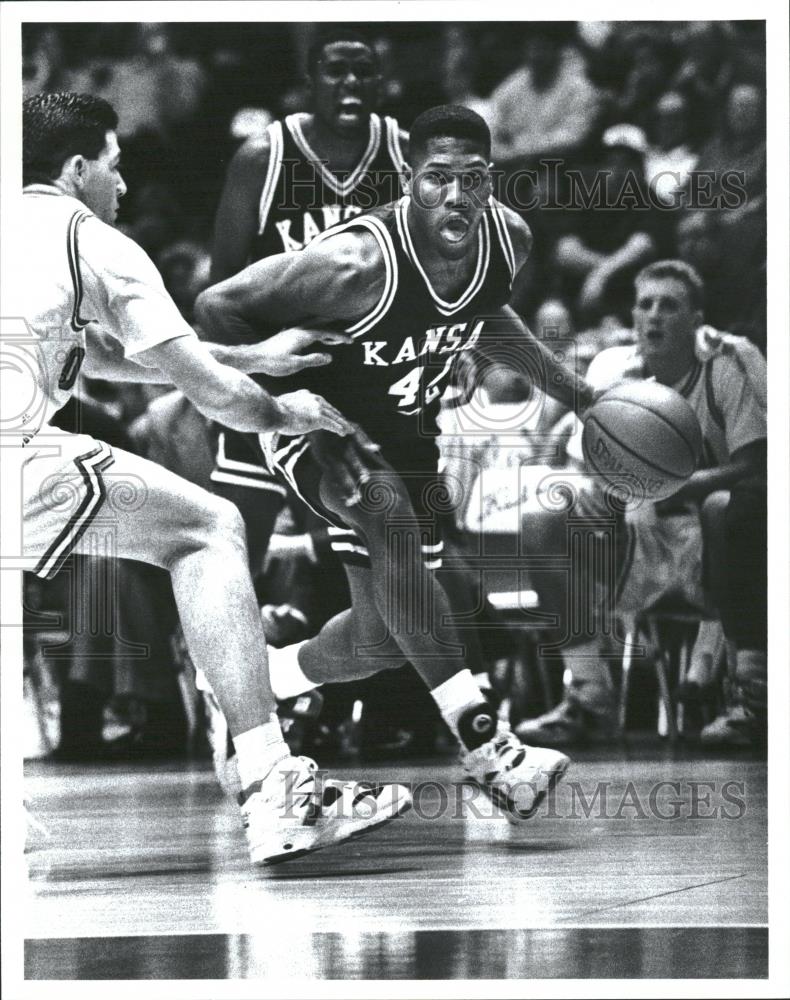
(258, 750)
(285, 675)
(454, 696)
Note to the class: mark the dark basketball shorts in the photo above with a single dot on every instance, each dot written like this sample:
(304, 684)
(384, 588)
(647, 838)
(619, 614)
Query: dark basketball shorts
(292, 459)
(238, 462)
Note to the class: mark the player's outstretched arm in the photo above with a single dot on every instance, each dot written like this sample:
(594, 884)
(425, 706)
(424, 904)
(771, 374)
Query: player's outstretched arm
(104, 358)
(144, 338)
(557, 379)
(233, 399)
(338, 279)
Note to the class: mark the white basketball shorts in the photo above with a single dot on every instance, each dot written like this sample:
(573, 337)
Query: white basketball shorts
(63, 489)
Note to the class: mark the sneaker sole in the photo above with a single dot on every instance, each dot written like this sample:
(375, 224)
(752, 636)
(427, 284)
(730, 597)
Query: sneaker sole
(516, 816)
(403, 805)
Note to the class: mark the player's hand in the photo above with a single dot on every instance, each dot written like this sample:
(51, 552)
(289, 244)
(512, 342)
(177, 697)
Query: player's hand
(347, 464)
(288, 351)
(692, 492)
(302, 412)
(586, 404)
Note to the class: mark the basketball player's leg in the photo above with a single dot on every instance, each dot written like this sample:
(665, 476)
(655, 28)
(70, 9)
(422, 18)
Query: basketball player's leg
(357, 643)
(411, 605)
(416, 613)
(200, 539)
(354, 644)
(259, 511)
(153, 516)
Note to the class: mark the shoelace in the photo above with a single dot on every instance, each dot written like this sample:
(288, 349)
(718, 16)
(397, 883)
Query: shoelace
(510, 750)
(295, 779)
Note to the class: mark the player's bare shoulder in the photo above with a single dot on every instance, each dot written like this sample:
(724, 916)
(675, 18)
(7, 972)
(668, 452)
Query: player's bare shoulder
(520, 235)
(351, 270)
(251, 159)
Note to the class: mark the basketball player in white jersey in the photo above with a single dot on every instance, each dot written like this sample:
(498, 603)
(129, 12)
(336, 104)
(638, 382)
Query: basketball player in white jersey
(93, 300)
(415, 284)
(711, 532)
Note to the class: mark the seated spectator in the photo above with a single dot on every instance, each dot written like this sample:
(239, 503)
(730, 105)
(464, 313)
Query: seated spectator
(706, 68)
(459, 69)
(500, 428)
(631, 68)
(669, 157)
(596, 262)
(719, 513)
(730, 258)
(42, 60)
(547, 107)
(152, 88)
(739, 145)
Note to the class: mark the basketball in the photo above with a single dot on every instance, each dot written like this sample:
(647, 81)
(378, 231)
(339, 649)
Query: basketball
(642, 436)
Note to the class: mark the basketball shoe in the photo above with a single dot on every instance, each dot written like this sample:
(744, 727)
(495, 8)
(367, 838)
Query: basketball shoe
(516, 777)
(569, 723)
(734, 728)
(289, 814)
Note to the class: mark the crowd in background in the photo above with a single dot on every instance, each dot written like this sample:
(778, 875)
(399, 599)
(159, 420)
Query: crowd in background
(648, 105)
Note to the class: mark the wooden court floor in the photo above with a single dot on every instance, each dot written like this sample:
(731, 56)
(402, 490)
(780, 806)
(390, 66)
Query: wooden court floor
(649, 863)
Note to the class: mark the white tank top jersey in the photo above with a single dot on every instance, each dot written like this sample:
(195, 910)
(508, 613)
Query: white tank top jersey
(72, 270)
(726, 388)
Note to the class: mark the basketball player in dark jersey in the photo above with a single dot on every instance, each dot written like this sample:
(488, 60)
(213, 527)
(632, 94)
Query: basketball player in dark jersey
(414, 284)
(305, 174)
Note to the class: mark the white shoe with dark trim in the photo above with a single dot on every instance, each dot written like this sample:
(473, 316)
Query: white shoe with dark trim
(289, 813)
(516, 777)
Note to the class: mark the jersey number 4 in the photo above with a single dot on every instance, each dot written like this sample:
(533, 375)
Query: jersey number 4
(408, 388)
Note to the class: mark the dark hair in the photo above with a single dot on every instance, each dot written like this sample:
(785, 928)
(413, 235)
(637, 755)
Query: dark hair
(680, 271)
(448, 120)
(58, 126)
(336, 33)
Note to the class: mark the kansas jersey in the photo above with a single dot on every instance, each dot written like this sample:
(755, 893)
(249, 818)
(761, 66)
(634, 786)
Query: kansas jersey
(301, 197)
(391, 379)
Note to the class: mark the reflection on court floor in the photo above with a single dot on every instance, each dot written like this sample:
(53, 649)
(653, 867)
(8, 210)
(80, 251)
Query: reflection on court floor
(648, 867)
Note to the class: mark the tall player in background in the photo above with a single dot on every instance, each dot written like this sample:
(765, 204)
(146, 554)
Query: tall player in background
(304, 174)
(415, 284)
(94, 301)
